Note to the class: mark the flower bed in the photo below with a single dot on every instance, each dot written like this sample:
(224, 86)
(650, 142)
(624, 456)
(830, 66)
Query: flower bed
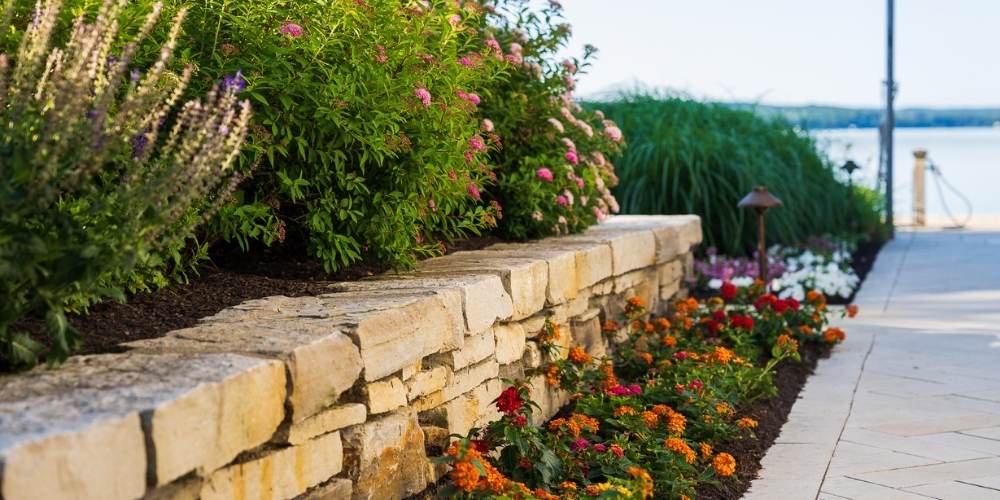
(649, 420)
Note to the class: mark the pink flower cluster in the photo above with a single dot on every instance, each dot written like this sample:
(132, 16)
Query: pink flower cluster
(544, 174)
(468, 97)
(291, 29)
(424, 96)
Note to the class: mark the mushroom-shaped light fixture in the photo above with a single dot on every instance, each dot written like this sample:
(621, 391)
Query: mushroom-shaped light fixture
(760, 200)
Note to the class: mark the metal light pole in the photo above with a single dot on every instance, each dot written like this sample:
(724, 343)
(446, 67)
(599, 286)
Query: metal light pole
(850, 167)
(890, 117)
(760, 200)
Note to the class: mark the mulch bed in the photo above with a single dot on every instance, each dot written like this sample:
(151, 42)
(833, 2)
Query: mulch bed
(771, 414)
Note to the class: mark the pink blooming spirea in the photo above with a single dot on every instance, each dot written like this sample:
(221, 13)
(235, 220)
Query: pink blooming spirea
(562, 201)
(635, 389)
(291, 29)
(473, 191)
(614, 133)
(476, 143)
(424, 96)
(600, 448)
(544, 174)
(465, 61)
(572, 157)
(580, 444)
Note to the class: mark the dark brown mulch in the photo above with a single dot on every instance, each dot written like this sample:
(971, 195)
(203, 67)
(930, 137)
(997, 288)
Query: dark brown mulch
(229, 280)
(771, 414)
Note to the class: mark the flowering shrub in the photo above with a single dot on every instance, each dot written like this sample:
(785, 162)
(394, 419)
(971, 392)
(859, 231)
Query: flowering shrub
(822, 264)
(102, 171)
(649, 421)
(553, 169)
(366, 123)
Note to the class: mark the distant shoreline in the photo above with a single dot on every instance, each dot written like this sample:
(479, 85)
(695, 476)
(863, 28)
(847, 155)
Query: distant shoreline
(830, 117)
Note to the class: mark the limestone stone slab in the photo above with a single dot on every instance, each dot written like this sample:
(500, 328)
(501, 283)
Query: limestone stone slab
(465, 380)
(457, 415)
(284, 474)
(322, 361)
(78, 432)
(532, 355)
(335, 489)
(484, 298)
(593, 258)
(562, 279)
(586, 329)
(631, 248)
(328, 420)
(385, 457)
(674, 234)
(524, 279)
(510, 340)
(385, 395)
(928, 474)
(427, 382)
(955, 490)
(475, 349)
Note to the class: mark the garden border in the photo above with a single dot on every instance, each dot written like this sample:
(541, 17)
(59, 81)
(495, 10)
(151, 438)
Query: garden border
(335, 395)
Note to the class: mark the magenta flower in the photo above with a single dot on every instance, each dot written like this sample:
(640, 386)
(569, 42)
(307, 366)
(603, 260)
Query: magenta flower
(473, 191)
(452, 175)
(544, 174)
(381, 57)
(465, 96)
(572, 158)
(515, 59)
(579, 184)
(424, 96)
(455, 20)
(476, 143)
(466, 61)
(468, 156)
(580, 444)
(696, 385)
(600, 448)
(619, 390)
(291, 29)
(635, 389)
(562, 201)
(680, 355)
(494, 46)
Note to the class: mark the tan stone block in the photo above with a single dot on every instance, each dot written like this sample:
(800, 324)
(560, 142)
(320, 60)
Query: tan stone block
(533, 326)
(383, 288)
(476, 348)
(284, 474)
(484, 299)
(509, 342)
(328, 420)
(549, 399)
(631, 249)
(669, 291)
(562, 275)
(674, 234)
(409, 371)
(587, 333)
(385, 457)
(188, 488)
(427, 382)
(458, 415)
(485, 394)
(671, 271)
(524, 279)
(385, 395)
(334, 489)
(322, 361)
(81, 423)
(532, 355)
(432, 400)
(465, 380)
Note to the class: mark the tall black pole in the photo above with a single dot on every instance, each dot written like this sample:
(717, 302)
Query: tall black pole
(890, 118)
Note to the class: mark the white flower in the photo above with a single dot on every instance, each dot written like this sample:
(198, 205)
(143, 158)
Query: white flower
(715, 283)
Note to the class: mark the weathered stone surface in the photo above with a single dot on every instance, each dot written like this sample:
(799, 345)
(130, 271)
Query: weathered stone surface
(484, 299)
(188, 488)
(533, 326)
(328, 420)
(436, 437)
(512, 371)
(524, 279)
(669, 291)
(284, 474)
(385, 395)
(549, 399)
(593, 258)
(485, 394)
(465, 380)
(562, 280)
(509, 342)
(587, 333)
(671, 271)
(631, 249)
(477, 348)
(385, 457)
(532, 355)
(322, 361)
(427, 382)
(76, 432)
(674, 234)
(450, 297)
(458, 415)
(334, 489)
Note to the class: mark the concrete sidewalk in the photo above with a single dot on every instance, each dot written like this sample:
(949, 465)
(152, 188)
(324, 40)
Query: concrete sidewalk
(909, 406)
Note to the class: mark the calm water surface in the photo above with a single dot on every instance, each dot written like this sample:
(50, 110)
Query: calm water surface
(969, 158)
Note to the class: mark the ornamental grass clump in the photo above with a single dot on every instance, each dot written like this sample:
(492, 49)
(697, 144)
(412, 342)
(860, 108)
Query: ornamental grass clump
(653, 420)
(103, 170)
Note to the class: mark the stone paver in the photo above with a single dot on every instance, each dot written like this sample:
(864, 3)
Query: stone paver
(907, 407)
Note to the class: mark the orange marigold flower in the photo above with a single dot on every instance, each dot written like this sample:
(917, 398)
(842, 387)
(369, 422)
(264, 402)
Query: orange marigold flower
(692, 303)
(724, 464)
(786, 342)
(669, 341)
(815, 297)
(662, 324)
(707, 418)
(647, 357)
(833, 335)
(644, 479)
(552, 376)
(636, 302)
(567, 486)
(706, 450)
(465, 476)
(662, 410)
(679, 446)
(746, 423)
(724, 409)
(650, 418)
(579, 356)
(676, 423)
(545, 495)
(805, 329)
(722, 355)
(688, 323)
(852, 310)
(495, 480)
(609, 326)
(624, 410)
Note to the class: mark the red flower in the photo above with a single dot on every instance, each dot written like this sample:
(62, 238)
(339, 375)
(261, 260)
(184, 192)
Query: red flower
(780, 306)
(520, 420)
(480, 445)
(794, 304)
(719, 316)
(741, 321)
(728, 291)
(713, 326)
(510, 401)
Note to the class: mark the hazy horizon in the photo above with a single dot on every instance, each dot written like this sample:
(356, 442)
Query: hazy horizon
(790, 53)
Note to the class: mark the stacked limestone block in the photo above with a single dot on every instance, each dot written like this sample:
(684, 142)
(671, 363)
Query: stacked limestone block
(344, 395)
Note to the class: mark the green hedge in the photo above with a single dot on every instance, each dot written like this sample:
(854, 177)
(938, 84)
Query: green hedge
(686, 156)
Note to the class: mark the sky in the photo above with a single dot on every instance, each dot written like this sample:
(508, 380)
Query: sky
(793, 51)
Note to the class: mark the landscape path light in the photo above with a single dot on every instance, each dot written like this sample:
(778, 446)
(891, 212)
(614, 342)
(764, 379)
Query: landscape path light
(760, 200)
(850, 167)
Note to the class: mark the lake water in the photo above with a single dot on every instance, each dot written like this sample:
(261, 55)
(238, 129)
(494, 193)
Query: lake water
(968, 158)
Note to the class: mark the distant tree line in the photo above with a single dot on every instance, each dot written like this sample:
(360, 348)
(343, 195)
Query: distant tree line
(820, 117)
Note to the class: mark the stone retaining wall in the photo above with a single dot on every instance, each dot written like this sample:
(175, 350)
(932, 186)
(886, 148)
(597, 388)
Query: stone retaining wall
(335, 396)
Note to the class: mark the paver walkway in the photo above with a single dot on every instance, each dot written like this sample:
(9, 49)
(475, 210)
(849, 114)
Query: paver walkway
(909, 406)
